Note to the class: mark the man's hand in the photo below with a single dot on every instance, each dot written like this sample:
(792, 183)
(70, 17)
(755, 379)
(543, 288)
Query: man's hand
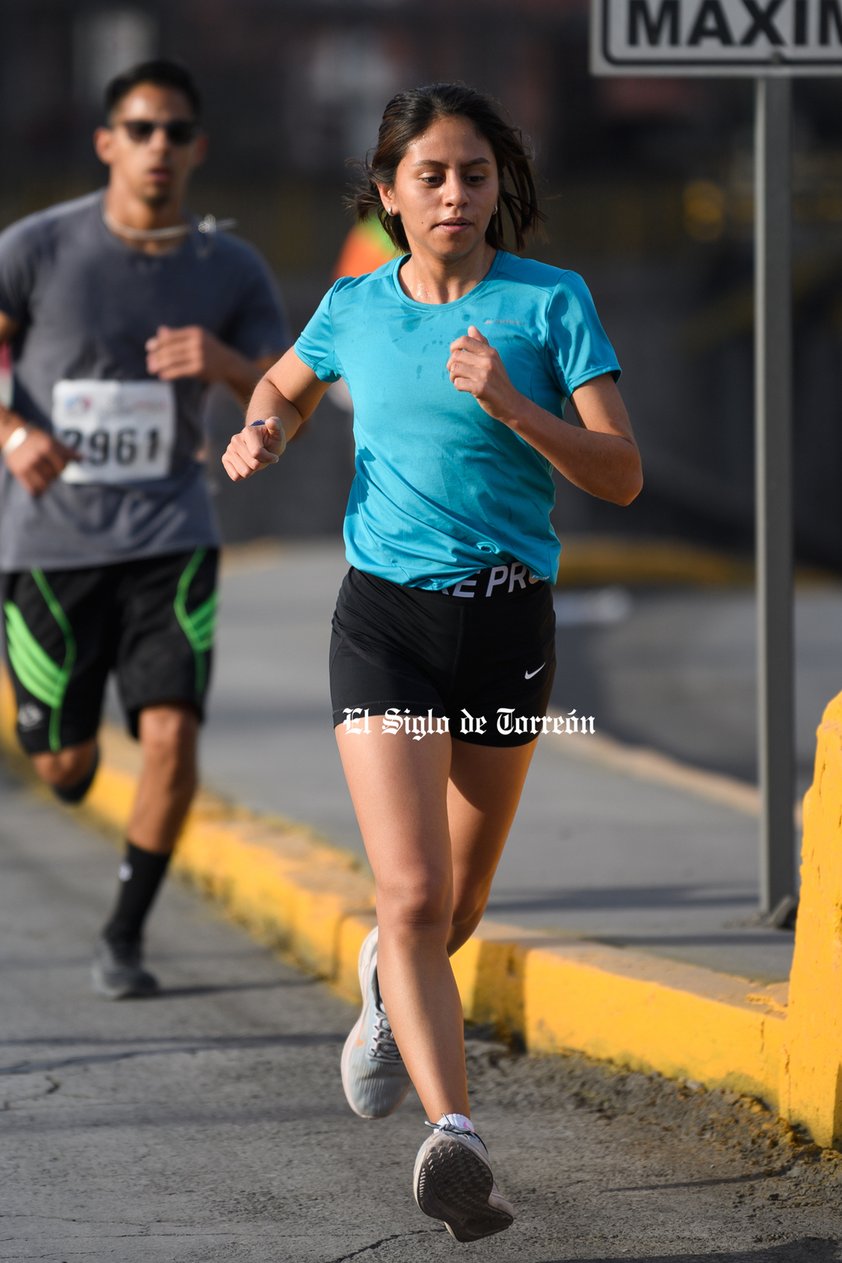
(193, 352)
(39, 460)
(187, 352)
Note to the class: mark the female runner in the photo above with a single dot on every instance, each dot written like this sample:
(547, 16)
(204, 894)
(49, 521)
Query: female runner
(460, 357)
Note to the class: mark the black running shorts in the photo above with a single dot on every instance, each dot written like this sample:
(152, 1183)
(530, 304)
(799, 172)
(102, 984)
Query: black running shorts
(150, 621)
(476, 660)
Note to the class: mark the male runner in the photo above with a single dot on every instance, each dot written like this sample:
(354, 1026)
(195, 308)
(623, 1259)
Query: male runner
(121, 310)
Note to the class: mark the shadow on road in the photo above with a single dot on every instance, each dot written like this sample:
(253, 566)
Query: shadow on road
(131, 1047)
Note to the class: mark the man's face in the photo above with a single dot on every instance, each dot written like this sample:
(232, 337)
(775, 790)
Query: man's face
(151, 145)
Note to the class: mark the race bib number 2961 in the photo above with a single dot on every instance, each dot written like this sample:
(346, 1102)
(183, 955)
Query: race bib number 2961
(123, 431)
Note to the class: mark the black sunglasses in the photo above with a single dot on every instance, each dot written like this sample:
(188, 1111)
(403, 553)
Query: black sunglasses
(180, 131)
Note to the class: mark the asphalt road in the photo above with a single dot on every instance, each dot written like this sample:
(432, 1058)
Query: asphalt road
(209, 1123)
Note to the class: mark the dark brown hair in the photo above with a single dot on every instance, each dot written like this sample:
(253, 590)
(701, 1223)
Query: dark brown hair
(408, 115)
(161, 73)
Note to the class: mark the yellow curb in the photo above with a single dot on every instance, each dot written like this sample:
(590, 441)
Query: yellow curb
(682, 1020)
(550, 993)
(592, 560)
(811, 1073)
(623, 1006)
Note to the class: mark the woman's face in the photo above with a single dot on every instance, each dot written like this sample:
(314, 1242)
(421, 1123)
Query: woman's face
(445, 191)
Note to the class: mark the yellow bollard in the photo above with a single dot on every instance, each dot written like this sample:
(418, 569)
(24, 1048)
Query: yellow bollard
(811, 1079)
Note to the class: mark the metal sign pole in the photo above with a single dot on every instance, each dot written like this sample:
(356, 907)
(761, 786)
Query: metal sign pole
(773, 484)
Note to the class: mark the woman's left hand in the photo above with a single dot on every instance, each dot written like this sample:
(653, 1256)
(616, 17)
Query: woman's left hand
(476, 368)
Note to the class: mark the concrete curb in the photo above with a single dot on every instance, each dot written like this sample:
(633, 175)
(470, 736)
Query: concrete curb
(316, 903)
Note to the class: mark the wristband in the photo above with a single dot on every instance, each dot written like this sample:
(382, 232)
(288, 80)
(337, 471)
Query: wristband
(252, 424)
(19, 435)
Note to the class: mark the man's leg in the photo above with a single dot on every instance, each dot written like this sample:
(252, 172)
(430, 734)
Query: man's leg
(70, 772)
(58, 649)
(166, 785)
(169, 738)
(163, 669)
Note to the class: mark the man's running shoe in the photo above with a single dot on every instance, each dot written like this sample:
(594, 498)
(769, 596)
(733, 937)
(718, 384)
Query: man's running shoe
(118, 972)
(373, 1075)
(452, 1181)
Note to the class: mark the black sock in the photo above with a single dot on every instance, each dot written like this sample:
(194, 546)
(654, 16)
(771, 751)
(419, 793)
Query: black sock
(141, 873)
(75, 793)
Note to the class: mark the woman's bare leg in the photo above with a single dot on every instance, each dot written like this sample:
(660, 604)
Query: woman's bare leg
(482, 798)
(428, 836)
(399, 790)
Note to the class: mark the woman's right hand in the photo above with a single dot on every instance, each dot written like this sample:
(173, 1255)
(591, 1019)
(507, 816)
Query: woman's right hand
(257, 445)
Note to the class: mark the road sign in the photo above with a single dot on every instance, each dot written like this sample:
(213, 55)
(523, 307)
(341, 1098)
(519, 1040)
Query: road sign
(716, 37)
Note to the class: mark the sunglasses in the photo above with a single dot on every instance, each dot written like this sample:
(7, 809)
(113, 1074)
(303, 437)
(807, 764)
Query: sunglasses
(180, 131)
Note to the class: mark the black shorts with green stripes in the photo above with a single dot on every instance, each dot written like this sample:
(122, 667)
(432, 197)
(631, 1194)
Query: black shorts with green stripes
(149, 621)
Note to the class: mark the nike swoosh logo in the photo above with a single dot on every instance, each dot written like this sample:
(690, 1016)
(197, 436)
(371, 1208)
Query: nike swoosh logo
(527, 675)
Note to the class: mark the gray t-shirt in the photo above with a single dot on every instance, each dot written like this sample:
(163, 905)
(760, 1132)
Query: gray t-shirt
(86, 304)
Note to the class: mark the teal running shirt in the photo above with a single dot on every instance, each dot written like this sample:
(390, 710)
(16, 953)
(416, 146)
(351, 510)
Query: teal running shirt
(441, 489)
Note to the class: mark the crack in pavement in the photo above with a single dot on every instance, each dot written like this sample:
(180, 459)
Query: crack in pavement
(398, 1236)
(45, 1086)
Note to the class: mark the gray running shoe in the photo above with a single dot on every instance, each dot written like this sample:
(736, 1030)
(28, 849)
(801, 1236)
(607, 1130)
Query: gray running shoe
(452, 1181)
(118, 972)
(373, 1075)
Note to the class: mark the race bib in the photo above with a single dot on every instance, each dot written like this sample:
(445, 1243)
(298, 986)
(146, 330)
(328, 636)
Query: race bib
(123, 431)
